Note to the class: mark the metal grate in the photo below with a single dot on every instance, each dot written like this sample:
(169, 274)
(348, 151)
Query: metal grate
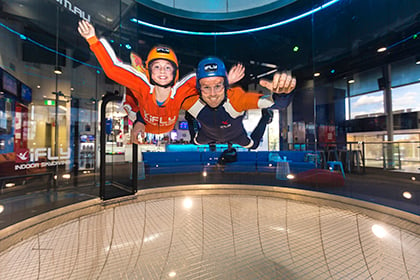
(216, 237)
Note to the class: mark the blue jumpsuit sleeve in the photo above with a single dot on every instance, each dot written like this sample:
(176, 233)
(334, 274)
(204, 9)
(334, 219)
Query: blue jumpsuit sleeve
(281, 101)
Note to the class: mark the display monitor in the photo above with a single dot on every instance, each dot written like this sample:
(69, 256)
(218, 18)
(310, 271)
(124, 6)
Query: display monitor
(9, 83)
(26, 93)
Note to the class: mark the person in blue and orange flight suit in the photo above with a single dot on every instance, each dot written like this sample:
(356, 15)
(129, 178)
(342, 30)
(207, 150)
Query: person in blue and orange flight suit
(157, 93)
(220, 109)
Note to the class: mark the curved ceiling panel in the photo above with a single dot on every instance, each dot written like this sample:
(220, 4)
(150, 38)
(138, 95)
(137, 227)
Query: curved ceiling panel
(215, 10)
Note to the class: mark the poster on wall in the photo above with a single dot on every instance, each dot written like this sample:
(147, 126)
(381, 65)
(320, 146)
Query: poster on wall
(327, 135)
(21, 127)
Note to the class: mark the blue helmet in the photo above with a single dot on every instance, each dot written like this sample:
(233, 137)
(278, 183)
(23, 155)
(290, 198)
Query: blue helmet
(211, 67)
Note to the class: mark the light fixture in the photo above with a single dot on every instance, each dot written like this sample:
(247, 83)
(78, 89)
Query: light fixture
(350, 80)
(418, 60)
(407, 195)
(382, 49)
(57, 70)
(317, 74)
(379, 231)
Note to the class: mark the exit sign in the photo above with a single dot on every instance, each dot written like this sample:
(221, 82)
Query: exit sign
(49, 102)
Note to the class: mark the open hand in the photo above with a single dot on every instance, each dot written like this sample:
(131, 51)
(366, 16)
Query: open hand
(283, 82)
(86, 29)
(236, 73)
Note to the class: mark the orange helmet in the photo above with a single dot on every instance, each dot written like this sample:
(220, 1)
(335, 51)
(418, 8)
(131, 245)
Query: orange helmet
(163, 52)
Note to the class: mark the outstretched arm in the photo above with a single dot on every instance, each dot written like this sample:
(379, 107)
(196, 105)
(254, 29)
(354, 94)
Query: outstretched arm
(236, 73)
(283, 82)
(113, 67)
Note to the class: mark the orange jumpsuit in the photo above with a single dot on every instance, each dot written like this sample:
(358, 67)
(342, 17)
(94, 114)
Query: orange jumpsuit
(158, 119)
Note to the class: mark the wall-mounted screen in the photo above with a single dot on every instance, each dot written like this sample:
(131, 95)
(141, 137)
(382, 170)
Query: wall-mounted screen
(26, 93)
(9, 83)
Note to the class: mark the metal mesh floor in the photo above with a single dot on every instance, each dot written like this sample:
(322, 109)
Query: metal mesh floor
(223, 236)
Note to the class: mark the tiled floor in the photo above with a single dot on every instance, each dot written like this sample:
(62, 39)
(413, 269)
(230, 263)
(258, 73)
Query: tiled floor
(222, 232)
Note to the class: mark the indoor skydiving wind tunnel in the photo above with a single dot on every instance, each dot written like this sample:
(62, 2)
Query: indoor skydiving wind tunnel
(331, 192)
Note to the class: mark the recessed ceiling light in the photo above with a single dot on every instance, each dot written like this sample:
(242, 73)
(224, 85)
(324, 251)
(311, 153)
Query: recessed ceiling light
(407, 195)
(381, 49)
(317, 74)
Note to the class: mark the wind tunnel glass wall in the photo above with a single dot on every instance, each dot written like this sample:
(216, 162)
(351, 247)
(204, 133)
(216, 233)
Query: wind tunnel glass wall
(365, 71)
(50, 123)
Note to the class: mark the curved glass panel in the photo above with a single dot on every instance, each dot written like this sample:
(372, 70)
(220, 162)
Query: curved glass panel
(216, 10)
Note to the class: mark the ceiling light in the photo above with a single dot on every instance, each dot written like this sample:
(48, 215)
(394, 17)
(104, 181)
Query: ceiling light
(418, 60)
(407, 195)
(38, 86)
(350, 81)
(382, 49)
(295, 48)
(317, 74)
(57, 70)
(332, 71)
(1, 208)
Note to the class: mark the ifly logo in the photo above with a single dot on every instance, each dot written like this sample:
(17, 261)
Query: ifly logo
(25, 155)
(211, 67)
(22, 155)
(162, 50)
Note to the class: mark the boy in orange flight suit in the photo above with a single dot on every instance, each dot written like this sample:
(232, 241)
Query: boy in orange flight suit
(158, 92)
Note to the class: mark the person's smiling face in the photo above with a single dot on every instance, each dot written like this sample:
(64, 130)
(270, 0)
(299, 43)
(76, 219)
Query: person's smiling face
(162, 72)
(212, 90)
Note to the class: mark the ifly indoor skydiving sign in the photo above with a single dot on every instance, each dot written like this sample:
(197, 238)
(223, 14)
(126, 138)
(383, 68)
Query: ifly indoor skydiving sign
(30, 158)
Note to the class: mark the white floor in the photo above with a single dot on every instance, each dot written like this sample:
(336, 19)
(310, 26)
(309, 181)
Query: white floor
(218, 236)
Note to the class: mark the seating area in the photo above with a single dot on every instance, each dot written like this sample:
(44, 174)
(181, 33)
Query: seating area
(192, 162)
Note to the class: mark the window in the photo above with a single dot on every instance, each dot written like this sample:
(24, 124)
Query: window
(367, 105)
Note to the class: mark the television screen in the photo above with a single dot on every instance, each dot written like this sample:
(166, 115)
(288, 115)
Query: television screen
(26, 93)
(183, 125)
(9, 83)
